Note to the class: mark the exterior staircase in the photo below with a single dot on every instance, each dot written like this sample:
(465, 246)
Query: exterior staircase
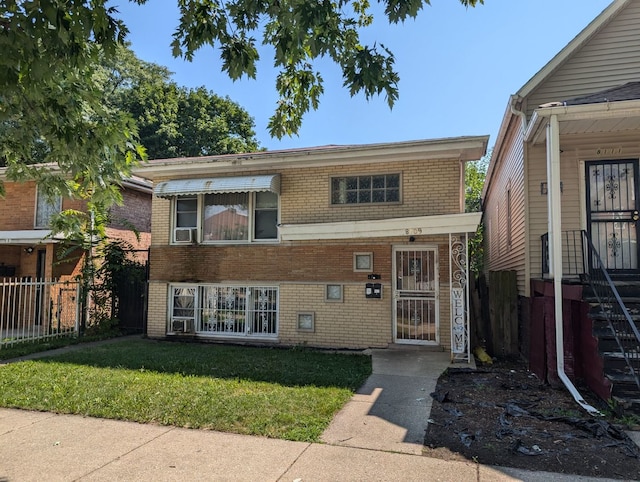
(614, 314)
(618, 345)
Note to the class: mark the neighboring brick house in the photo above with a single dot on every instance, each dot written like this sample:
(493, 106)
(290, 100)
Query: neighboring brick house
(336, 246)
(27, 249)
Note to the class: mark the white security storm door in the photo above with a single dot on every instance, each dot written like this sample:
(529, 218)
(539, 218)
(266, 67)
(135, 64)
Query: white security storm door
(416, 306)
(612, 213)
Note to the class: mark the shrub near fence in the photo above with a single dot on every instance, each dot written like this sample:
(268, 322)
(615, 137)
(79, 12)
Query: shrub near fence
(37, 309)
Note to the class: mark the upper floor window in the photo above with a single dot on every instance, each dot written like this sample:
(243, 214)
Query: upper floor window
(384, 188)
(46, 208)
(226, 217)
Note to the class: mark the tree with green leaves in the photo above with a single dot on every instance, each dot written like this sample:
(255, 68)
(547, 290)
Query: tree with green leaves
(52, 103)
(474, 177)
(174, 121)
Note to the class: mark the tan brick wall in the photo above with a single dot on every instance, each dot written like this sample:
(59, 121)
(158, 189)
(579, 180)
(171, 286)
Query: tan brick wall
(357, 322)
(428, 188)
(160, 221)
(157, 310)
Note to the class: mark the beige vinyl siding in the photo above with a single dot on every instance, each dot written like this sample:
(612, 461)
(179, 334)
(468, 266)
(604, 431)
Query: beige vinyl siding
(576, 150)
(609, 59)
(508, 176)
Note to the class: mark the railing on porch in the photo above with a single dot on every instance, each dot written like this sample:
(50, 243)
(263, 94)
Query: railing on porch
(37, 309)
(577, 250)
(575, 261)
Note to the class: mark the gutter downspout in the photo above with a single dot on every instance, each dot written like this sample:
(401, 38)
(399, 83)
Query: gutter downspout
(555, 253)
(513, 101)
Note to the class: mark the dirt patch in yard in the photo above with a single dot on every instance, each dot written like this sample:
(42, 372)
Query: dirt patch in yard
(502, 415)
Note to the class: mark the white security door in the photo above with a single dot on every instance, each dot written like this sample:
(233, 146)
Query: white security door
(416, 310)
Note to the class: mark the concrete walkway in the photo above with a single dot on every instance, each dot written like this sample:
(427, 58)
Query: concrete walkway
(390, 411)
(376, 437)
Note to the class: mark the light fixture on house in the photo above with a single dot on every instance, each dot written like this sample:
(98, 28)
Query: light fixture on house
(544, 189)
(28, 249)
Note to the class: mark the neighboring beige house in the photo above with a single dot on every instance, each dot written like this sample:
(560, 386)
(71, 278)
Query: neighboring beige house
(566, 162)
(338, 246)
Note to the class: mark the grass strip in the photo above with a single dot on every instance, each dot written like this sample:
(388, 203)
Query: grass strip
(289, 394)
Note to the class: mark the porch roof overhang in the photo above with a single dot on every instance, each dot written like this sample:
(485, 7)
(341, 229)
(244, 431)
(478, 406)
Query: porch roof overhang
(420, 225)
(604, 117)
(31, 236)
(188, 187)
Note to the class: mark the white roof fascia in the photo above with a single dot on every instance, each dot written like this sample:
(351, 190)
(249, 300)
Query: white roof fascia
(462, 148)
(578, 41)
(26, 236)
(416, 226)
(599, 111)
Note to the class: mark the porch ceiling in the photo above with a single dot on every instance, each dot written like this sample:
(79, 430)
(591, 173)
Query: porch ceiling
(602, 118)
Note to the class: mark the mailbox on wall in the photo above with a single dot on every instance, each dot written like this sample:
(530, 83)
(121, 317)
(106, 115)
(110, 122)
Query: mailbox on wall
(373, 290)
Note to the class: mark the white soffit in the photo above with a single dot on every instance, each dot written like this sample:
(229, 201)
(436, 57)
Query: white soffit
(603, 117)
(188, 187)
(414, 226)
(31, 236)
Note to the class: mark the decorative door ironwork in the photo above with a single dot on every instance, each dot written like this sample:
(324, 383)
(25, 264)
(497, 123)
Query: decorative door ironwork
(612, 212)
(416, 313)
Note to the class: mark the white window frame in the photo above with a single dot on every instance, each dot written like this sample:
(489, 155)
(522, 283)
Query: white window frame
(198, 235)
(53, 207)
(199, 323)
(332, 202)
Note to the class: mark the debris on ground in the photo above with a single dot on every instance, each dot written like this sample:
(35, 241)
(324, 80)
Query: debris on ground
(504, 415)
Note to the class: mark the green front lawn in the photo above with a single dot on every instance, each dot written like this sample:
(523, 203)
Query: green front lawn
(282, 393)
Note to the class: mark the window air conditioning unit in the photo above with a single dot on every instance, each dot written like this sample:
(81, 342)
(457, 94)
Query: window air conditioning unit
(185, 235)
(182, 326)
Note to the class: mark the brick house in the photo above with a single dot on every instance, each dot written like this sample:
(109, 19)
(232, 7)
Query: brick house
(337, 246)
(27, 249)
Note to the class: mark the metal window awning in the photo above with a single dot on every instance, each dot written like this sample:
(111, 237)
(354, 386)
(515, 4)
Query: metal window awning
(218, 185)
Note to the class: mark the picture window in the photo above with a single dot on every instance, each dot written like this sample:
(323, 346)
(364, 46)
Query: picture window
(383, 188)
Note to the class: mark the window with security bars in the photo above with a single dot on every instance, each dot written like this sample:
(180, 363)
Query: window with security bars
(227, 310)
(384, 188)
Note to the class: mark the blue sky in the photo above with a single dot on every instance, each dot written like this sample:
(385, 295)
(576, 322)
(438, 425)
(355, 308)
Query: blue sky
(457, 69)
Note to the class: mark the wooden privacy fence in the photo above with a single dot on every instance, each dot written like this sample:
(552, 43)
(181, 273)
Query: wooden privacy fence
(503, 314)
(38, 309)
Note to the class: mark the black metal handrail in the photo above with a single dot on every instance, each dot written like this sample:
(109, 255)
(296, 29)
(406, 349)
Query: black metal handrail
(580, 257)
(574, 258)
(614, 311)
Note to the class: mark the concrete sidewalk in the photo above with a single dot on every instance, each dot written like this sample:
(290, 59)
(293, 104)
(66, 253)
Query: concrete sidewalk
(377, 436)
(38, 446)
